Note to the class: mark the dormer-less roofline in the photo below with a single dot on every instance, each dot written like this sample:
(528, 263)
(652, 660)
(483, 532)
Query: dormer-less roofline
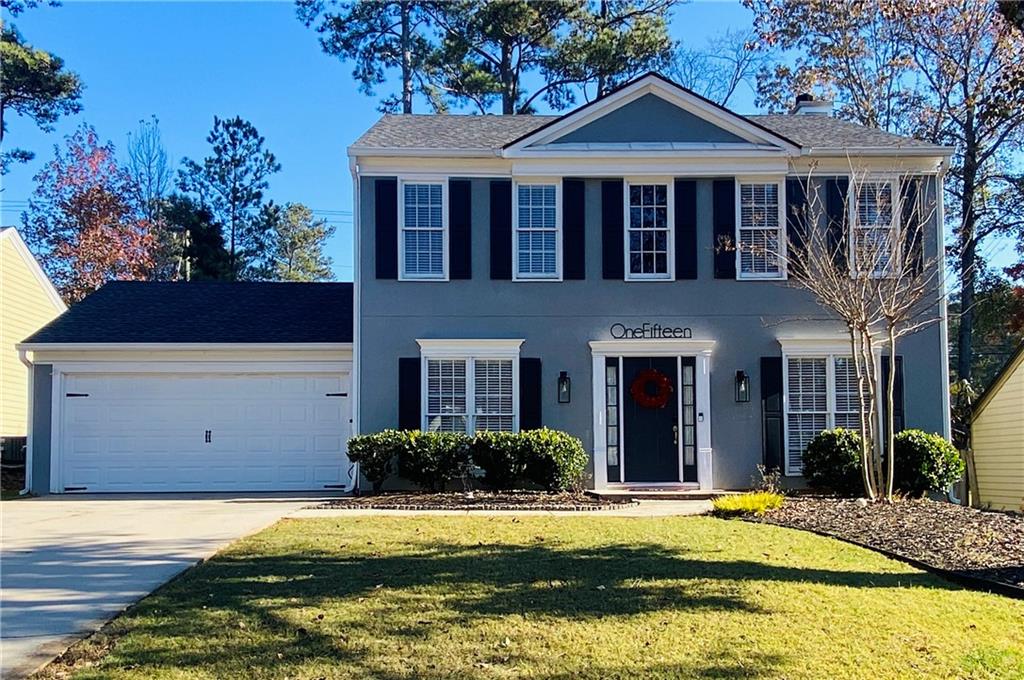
(659, 85)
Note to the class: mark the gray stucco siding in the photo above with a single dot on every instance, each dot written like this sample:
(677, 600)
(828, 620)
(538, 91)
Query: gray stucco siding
(557, 320)
(42, 408)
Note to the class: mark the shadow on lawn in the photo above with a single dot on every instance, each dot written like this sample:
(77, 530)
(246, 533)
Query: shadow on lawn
(483, 581)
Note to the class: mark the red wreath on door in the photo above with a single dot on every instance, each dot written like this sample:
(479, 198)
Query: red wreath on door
(651, 398)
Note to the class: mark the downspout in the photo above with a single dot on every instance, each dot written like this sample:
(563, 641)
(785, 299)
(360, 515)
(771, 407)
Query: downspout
(23, 357)
(356, 344)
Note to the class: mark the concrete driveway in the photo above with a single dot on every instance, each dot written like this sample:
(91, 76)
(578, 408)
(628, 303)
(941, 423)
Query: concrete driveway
(68, 564)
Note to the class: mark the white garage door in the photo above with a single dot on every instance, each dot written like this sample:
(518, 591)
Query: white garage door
(203, 432)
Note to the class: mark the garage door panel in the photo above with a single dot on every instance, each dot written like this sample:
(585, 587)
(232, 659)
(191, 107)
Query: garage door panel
(148, 432)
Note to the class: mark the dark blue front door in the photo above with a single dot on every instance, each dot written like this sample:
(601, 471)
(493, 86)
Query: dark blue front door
(651, 419)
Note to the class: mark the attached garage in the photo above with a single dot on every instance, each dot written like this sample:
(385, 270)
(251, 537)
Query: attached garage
(262, 404)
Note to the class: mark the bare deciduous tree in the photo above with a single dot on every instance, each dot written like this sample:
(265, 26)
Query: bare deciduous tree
(149, 166)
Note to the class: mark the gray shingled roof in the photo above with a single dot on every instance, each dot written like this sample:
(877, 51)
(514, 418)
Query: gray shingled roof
(206, 312)
(491, 133)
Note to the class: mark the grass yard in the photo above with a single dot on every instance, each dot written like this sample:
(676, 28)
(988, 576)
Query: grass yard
(554, 597)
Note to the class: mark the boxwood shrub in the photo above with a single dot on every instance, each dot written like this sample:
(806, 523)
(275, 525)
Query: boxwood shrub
(433, 459)
(832, 462)
(376, 454)
(554, 460)
(500, 456)
(925, 462)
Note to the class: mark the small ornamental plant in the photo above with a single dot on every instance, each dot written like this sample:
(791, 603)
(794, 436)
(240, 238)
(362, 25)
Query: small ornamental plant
(554, 460)
(433, 459)
(500, 456)
(755, 504)
(376, 454)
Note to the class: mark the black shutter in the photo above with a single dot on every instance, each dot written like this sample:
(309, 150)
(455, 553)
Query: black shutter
(529, 394)
(912, 218)
(409, 393)
(612, 235)
(838, 220)
(385, 200)
(897, 394)
(724, 220)
(771, 412)
(686, 229)
(796, 224)
(501, 229)
(460, 229)
(574, 232)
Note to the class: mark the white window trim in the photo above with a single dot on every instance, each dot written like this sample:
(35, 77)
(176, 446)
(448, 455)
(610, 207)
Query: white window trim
(469, 351)
(422, 179)
(783, 233)
(537, 181)
(829, 351)
(854, 222)
(670, 195)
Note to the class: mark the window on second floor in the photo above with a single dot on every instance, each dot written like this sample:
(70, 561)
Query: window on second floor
(648, 231)
(537, 233)
(760, 227)
(875, 223)
(423, 222)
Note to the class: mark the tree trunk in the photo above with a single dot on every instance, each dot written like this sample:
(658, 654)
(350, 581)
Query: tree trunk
(968, 254)
(404, 8)
(508, 99)
(890, 416)
(865, 456)
(602, 79)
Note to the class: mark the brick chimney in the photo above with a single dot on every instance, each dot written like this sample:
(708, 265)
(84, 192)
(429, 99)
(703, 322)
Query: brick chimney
(807, 105)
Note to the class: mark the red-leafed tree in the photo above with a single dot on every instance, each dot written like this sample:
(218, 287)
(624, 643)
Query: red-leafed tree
(84, 221)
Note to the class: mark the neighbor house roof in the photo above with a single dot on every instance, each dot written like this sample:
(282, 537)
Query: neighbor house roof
(492, 133)
(1001, 377)
(205, 312)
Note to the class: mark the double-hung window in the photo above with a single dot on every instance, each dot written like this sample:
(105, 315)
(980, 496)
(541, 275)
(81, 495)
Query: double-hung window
(470, 389)
(821, 394)
(648, 231)
(537, 232)
(423, 221)
(760, 226)
(875, 224)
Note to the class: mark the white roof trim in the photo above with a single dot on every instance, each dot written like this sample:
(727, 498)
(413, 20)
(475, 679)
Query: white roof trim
(33, 265)
(178, 346)
(652, 84)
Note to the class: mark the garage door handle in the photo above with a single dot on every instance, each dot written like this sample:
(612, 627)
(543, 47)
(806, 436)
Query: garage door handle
(76, 394)
(209, 436)
(336, 394)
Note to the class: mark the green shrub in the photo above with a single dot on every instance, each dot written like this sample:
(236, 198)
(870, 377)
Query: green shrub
(925, 462)
(432, 459)
(500, 456)
(832, 461)
(376, 454)
(754, 503)
(554, 460)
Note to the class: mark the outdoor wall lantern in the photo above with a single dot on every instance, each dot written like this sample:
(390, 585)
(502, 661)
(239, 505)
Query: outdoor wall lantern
(742, 387)
(564, 388)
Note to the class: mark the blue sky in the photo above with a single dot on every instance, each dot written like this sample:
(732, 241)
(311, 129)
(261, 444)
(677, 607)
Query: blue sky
(187, 61)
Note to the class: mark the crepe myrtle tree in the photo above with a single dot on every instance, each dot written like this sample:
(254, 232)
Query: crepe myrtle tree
(864, 263)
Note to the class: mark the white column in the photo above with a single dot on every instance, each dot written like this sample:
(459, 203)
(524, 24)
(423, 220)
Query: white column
(705, 472)
(600, 445)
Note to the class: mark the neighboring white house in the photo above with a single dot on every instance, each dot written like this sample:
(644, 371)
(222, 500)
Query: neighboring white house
(997, 437)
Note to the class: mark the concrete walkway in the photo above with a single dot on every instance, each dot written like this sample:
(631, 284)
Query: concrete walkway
(68, 564)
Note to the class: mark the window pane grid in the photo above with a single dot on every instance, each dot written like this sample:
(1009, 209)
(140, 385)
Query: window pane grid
(536, 230)
(759, 235)
(423, 229)
(648, 229)
(873, 237)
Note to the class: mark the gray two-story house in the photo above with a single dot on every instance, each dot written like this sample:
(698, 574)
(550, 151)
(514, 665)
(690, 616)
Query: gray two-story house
(514, 272)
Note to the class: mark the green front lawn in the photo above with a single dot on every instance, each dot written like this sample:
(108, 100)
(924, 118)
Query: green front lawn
(555, 597)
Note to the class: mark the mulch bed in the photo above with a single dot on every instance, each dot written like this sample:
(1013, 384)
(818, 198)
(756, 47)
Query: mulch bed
(964, 541)
(477, 500)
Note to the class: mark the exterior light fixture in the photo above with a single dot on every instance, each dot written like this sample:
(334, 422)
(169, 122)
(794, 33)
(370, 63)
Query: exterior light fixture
(742, 387)
(564, 388)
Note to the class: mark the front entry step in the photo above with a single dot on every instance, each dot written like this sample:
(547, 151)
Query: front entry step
(659, 493)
